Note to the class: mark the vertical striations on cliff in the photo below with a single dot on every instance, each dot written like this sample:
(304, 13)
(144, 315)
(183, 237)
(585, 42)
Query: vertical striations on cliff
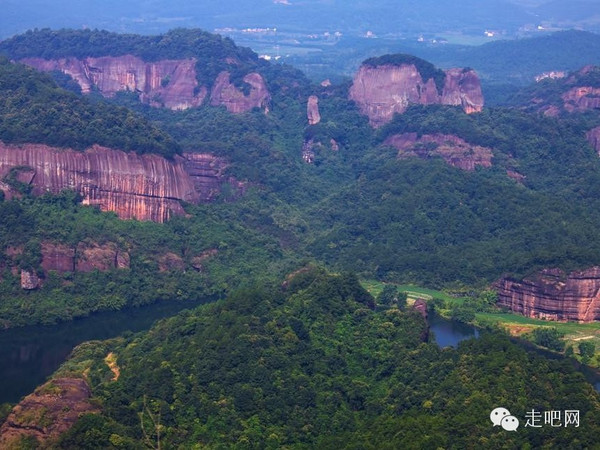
(380, 91)
(553, 294)
(312, 110)
(143, 187)
(168, 83)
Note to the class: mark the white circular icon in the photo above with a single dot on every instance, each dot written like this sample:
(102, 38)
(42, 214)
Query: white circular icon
(498, 414)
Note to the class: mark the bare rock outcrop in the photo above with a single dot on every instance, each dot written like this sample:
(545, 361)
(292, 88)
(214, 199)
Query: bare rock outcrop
(593, 137)
(581, 98)
(144, 187)
(93, 256)
(29, 280)
(552, 294)
(50, 411)
(57, 257)
(208, 174)
(168, 83)
(312, 110)
(170, 261)
(454, 150)
(234, 99)
(384, 90)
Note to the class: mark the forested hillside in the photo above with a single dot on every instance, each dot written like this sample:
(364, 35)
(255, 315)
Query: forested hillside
(358, 208)
(33, 109)
(311, 364)
(298, 354)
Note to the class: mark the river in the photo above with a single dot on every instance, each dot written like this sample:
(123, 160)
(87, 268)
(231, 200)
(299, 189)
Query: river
(30, 354)
(449, 333)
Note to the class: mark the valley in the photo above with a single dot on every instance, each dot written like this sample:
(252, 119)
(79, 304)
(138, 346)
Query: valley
(172, 168)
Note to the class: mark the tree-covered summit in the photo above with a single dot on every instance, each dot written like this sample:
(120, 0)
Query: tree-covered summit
(175, 44)
(311, 365)
(425, 68)
(33, 109)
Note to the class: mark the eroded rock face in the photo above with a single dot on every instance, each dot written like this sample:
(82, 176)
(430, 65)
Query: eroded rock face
(225, 93)
(170, 261)
(207, 173)
(144, 187)
(593, 137)
(50, 411)
(29, 280)
(581, 98)
(93, 256)
(57, 257)
(454, 150)
(382, 91)
(168, 83)
(312, 110)
(553, 294)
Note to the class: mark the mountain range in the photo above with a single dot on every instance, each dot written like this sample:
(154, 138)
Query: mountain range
(145, 168)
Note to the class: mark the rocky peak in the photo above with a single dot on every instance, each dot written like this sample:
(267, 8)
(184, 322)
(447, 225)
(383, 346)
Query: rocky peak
(553, 294)
(382, 90)
(167, 83)
(227, 94)
(312, 110)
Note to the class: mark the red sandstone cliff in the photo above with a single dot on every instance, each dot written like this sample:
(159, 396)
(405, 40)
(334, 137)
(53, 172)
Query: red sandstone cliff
(50, 411)
(593, 137)
(312, 110)
(382, 91)
(452, 149)
(552, 294)
(87, 256)
(169, 83)
(225, 93)
(144, 187)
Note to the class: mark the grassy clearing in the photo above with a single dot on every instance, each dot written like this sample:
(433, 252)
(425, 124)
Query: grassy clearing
(375, 287)
(575, 333)
(516, 325)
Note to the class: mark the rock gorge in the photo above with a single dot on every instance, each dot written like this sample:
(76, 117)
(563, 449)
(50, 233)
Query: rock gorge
(554, 295)
(383, 90)
(167, 83)
(142, 187)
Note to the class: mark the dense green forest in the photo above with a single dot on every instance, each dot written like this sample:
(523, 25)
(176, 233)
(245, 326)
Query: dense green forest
(241, 253)
(213, 53)
(310, 360)
(33, 109)
(311, 364)
(359, 208)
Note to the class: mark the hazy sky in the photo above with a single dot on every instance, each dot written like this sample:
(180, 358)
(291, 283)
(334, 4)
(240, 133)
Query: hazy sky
(383, 16)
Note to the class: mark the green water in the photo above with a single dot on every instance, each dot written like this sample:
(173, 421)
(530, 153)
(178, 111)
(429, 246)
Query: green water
(29, 355)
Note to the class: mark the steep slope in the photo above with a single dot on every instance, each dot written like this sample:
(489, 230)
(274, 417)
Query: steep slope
(552, 294)
(134, 185)
(389, 84)
(311, 364)
(560, 93)
(142, 187)
(177, 70)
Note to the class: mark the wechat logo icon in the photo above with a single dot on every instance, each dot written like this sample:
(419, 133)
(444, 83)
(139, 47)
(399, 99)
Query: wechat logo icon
(503, 418)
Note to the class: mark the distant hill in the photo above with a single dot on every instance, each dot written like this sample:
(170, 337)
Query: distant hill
(307, 16)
